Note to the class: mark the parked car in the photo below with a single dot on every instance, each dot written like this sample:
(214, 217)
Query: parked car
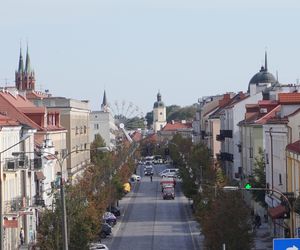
(110, 218)
(169, 171)
(135, 177)
(94, 246)
(116, 211)
(105, 230)
(168, 193)
(126, 187)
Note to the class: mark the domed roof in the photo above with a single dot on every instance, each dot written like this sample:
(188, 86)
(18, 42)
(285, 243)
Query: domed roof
(159, 102)
(263, 76)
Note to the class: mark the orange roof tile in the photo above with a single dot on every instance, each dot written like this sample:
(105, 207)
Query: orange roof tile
(7, 121)
(289, 98)
(176, 126)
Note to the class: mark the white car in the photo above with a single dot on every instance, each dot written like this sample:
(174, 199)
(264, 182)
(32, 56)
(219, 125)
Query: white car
(135, 177)
(169, 172)
(94, 246)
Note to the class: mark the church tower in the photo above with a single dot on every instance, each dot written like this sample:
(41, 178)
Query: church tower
(25, 78)
(159, 114)
(104, 105)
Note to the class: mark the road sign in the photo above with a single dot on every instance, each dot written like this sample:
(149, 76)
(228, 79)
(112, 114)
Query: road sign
(286, 244)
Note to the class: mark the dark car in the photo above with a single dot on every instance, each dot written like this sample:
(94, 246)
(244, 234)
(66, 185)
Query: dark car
(148, 170)
(168, 193)
(114, 210)
(105, 230)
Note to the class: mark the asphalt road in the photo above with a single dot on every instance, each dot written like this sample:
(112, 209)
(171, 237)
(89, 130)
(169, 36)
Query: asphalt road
(148, 222)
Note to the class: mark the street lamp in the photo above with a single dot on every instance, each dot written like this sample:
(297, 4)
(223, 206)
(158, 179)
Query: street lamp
(62, 190)
(249, 187)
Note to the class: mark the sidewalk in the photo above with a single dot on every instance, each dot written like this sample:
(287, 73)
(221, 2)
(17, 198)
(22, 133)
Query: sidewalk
(262, 239)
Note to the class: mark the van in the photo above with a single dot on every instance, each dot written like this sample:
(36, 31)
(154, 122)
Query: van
(169, 172)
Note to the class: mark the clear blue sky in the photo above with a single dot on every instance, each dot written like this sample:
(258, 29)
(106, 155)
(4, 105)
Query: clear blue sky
(133, 48)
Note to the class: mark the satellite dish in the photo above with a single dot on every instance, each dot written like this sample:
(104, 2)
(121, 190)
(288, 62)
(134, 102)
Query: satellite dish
(121, 125)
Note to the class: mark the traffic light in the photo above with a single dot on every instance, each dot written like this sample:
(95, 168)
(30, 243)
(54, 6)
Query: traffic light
(247, 186)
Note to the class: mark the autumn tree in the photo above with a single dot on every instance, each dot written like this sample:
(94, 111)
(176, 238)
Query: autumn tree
(227, 221)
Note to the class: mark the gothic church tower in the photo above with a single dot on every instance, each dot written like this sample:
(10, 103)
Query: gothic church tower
(159, 114)
(25, 78)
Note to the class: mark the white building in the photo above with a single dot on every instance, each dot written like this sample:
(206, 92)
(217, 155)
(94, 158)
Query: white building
(103, 123)
(229, 136)
(18, 189)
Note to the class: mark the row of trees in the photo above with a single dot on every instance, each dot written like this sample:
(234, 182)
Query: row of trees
(100, 186)
(224, 217)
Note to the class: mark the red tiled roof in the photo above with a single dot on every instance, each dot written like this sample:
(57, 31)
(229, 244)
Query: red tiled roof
(264, 119)
(137, 136)
(289, 98)
(176, 126)
(17, 100)
(7, 121)
(36, 95)
(294, 147)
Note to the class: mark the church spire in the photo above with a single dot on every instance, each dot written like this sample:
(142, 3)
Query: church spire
(266, 61)
(27, 66)
(158, 96)
(21, 63)
(104, 105)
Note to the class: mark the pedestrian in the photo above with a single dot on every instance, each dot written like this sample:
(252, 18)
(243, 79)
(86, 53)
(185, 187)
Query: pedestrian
(257, 221)
(151, 177)
(22, 236)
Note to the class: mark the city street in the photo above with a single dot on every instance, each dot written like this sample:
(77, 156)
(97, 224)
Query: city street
(149, 222)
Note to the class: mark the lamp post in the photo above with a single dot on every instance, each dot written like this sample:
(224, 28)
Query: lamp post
(62, 190)
(248, 187)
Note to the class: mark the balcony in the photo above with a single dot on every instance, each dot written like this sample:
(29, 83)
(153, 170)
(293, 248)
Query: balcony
(15, 164)
(220, 137)
(16, 204)
(39, 201)
(36, 164)
(226, 133)
(226, 157)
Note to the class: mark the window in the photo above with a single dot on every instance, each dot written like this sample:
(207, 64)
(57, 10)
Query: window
(76, 130)
(267, 158)
(96, 126)
(84, 129)
(280, 179)
(251, 152)
(81, 130)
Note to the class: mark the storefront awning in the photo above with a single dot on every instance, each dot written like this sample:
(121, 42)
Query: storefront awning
(278, 212)
(40, 175)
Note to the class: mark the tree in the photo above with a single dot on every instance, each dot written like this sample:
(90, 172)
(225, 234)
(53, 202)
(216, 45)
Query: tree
(227, 221)
(177, 113)
(96, 156)
(258, 179)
